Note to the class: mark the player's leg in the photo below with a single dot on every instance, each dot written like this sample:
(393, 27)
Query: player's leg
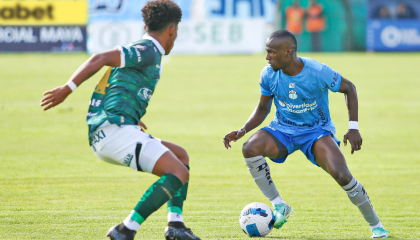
(131, 147)
(176, 225)
(264, 144)
(330, 158)
(173, 175)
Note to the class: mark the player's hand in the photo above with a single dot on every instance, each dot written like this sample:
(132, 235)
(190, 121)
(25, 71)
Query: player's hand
(354, 138)
(233, 136)
(142, 125)
(55, 96)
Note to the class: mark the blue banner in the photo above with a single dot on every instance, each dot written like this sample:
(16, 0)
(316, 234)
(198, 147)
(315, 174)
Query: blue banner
(42, 38)
(393, 25)
(393, 35)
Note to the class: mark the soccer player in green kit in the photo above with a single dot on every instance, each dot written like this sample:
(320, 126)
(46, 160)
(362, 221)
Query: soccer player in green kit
(117, 105)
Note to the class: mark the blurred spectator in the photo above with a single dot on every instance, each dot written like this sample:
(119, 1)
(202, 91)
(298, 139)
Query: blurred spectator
(382, 12)
(315, 24)
(405, 12)
(294, 20)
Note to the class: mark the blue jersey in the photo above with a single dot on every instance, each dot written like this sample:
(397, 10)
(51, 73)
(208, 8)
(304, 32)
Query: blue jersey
(302, 100)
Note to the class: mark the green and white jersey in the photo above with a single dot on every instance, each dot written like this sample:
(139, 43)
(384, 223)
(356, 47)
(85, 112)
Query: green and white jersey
(123, 93)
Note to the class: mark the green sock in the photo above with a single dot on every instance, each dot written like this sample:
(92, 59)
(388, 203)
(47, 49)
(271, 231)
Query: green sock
(160, 192)
(175, 204)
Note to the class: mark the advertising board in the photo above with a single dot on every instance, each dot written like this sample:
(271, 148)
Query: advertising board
(207, 27)
(35, 26)
(54, 12)
(42, 38)
(393, 25)
(227, 36)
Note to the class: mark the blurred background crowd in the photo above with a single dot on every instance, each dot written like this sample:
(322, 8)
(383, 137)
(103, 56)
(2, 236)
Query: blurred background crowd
(213, 26)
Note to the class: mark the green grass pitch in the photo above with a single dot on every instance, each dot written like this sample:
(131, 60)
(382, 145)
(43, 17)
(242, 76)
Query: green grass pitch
(53, 187)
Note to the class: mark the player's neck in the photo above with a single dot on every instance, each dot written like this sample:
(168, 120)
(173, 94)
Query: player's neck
(294, 68)
(159, 37)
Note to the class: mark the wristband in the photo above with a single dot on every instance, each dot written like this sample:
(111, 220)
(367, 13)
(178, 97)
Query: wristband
(243, 130)
(71, 85)
(354, 125)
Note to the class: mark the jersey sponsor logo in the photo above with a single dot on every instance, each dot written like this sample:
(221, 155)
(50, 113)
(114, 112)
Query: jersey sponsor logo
(145, 93)
(138, 55)
(335, 75)
(130, 52)
(287, 121)
(140, 47)
(282, 103)
(308, 99)
(292, 94)
(91, 114)
(292, 85)
(301, 108)
(95, 102)
(323, 118)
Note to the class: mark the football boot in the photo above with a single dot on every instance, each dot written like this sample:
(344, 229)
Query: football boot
(178, 231)
(380, 232)
(120, 232)
(281, 213)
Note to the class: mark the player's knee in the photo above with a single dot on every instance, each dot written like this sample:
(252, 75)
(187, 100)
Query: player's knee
(185, 175)
(341, 176)
(183, 156)
(249, 149)
(182, 173)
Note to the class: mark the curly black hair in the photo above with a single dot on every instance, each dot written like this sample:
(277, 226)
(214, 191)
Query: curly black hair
(159, 14)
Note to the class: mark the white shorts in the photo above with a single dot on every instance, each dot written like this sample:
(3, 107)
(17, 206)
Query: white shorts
(127, 145)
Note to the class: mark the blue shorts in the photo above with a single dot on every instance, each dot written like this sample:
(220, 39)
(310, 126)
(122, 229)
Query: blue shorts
(299, 141)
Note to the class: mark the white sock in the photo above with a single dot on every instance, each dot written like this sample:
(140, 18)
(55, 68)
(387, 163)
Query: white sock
(175, 217)
(260, 171)
(277, 200)
(131, 224)
(377, 225)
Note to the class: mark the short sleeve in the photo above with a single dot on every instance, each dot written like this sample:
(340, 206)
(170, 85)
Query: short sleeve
(329, 78)
(264, 83)
(135, 56)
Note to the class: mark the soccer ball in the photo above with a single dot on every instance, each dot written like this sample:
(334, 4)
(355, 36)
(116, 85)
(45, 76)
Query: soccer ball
(256, 219)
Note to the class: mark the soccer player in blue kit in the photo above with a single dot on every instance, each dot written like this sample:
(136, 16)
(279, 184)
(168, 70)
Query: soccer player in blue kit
(299, 88)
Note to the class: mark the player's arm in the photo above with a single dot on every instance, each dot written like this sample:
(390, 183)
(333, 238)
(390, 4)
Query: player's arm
(350, 96)
(57, 95)
(257, 117)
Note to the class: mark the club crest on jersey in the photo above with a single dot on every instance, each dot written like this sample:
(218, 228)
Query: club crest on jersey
(291, 85)
(292, 94)
(140, 47)
(145, 93)
(282, 103)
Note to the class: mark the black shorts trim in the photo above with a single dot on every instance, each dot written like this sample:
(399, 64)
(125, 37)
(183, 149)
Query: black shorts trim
(138, 149)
